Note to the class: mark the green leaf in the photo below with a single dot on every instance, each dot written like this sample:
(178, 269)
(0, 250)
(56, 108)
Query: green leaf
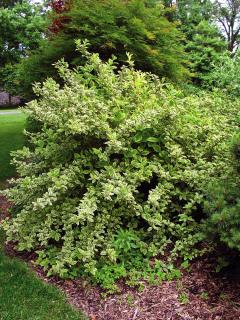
(152, 139)
(138, 137)
(120, 116)
(156, 148)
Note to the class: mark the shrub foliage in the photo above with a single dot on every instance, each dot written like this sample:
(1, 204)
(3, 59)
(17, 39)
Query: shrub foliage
(118, 169)
(223, 201)
(225, 75)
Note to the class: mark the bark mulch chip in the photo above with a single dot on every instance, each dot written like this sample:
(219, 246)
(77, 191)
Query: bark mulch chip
(200, 294)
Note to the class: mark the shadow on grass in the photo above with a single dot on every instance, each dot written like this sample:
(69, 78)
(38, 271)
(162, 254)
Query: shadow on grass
(25, 297)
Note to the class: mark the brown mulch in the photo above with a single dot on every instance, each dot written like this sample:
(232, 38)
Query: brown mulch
(4, 206)
(211, 296)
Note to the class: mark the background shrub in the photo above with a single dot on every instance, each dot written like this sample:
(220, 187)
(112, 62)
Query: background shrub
(121, 156)
(112, 27)
(223, 201)
(225, 75)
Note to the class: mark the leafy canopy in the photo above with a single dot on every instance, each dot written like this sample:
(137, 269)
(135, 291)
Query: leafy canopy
(112, 27)
(21, 30)
(9, 3)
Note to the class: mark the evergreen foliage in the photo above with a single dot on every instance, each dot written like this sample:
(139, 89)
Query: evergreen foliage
(205, 49)
(223, 201)
(225, 75)
(204, 41)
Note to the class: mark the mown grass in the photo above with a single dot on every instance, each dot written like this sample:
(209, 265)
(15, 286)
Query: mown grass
(25, 297)
(11, 138)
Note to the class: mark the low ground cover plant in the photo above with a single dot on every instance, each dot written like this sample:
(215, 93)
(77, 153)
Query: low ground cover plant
(117, 173)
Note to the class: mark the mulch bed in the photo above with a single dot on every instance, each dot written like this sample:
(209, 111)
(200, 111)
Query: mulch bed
(4, 206)
(210, 296)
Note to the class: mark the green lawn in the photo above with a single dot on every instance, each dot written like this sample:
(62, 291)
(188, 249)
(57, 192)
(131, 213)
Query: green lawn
(22, 295)
(25, 297)
(11, 138)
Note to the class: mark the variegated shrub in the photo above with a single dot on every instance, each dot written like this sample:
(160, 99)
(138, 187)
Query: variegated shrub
(118, 150)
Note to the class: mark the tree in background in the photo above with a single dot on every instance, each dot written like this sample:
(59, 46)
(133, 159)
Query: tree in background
(228, 15)
(204, 41)
(9, 3)
(112, 28)
(165, 37)
(205, 48)
(225, 75)
(59, 7)
(192, 12)
(21, 31)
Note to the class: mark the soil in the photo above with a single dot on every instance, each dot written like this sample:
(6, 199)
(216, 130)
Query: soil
(201, 294)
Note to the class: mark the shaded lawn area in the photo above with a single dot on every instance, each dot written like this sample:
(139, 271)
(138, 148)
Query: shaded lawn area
(25, 297)
(11, 138)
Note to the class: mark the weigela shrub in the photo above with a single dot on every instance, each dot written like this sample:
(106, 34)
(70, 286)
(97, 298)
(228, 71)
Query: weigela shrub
(118, 150)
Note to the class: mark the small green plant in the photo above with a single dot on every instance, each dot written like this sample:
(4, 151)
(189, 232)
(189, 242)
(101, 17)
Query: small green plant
(185, 265)
(222, 262)
(183, 298)
(141, 287)
(224, 296)
(130, 299)
(204, 295)
(133, 263)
